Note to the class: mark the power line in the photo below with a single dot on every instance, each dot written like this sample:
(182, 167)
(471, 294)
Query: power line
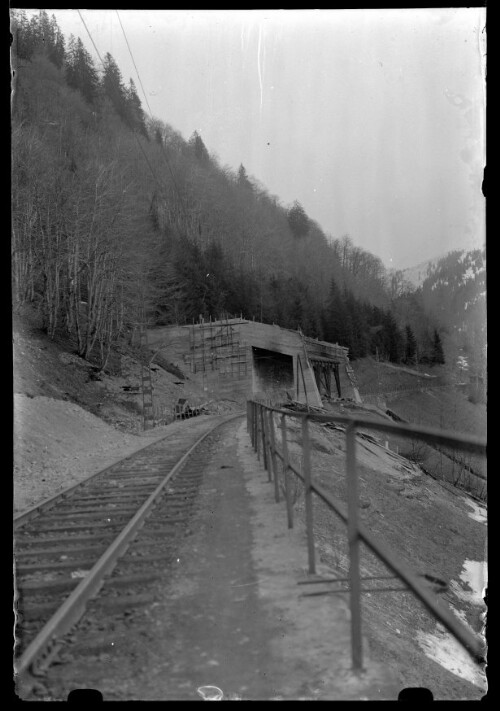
(135, 135)
(146, 159)
(162, 147)
(91, 39)
(133, 62)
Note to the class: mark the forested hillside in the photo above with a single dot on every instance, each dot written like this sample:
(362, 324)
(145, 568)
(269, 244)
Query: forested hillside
(455, 291)
(117, 218)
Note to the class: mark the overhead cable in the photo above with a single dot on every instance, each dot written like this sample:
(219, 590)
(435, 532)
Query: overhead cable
(163, 151)
(91, 39)
(134, 133)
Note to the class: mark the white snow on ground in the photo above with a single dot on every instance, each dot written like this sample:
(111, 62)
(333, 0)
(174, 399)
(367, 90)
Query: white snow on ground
(475, 576)
(444, 649)
(479, 512)
(462, 617)
(441, 646)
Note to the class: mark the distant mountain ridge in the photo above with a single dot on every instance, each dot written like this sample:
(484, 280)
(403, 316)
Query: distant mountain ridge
(454, 292)
(451, 290)
(416, 275)
(456, 286)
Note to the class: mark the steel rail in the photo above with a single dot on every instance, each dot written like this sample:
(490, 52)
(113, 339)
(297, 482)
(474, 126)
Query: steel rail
(21, 518)
(73, 607)
(358, 532)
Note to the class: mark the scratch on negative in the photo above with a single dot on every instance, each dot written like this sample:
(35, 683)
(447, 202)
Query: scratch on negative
(258, 67)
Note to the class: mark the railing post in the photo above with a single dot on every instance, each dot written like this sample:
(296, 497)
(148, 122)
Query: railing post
(263, 435)
(257, 429)
(272, 441)
(306, 451)
(353, 538)
(269, 456)
(254, 422)
(288, 493)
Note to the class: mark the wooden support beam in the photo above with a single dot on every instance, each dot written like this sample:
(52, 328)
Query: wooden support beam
(337, 379)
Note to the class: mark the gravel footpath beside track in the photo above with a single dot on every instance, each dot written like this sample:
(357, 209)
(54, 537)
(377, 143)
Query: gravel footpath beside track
(225, 610)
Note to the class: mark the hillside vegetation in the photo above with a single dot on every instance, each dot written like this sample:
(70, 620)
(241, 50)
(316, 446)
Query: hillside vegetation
(453, 289)
(117, 219)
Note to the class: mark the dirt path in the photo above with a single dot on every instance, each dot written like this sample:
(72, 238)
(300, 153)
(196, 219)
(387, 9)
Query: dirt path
(240, 623)
(231, 613)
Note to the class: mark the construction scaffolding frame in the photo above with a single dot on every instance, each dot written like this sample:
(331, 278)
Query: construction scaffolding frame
(323, 369)
(146, 382)
(215, 345)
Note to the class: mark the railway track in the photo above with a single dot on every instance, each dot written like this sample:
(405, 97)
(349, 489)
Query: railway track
(96, 548)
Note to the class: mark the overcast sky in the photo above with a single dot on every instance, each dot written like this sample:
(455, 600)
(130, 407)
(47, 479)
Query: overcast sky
(374, 120)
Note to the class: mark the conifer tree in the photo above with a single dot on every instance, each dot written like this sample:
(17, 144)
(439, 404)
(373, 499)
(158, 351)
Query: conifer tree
(199, 148)
(298, 220)
(393, 338)
(56, 51)
(337, 319)
(22, 35)
(437, 349)
(410, 346)
(358, 327)
(135, 114)
(242, 179)
(41, 35)
(113, 87)
(81, 73)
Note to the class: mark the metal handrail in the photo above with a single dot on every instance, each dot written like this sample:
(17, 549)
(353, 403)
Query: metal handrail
(260, 425)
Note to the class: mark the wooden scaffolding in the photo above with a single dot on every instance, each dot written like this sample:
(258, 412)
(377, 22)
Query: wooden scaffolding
(323, 369)
(215, 346)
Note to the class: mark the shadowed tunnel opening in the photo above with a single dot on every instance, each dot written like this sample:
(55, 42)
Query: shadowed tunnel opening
(273, 371)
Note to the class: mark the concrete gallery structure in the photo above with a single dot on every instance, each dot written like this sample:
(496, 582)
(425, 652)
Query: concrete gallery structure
(238, 359)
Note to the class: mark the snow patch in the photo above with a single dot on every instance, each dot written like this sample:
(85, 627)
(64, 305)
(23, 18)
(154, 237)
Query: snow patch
(479, 512)
(462, 617)
(475, 577)
(444, 649)
(441, 646)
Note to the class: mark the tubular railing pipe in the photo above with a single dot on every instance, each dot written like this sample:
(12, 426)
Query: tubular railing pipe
(308, 496)
(403, 572)
(356, 530)
(427, 434)
(273, 456)
(288, 493)
(353, 540)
